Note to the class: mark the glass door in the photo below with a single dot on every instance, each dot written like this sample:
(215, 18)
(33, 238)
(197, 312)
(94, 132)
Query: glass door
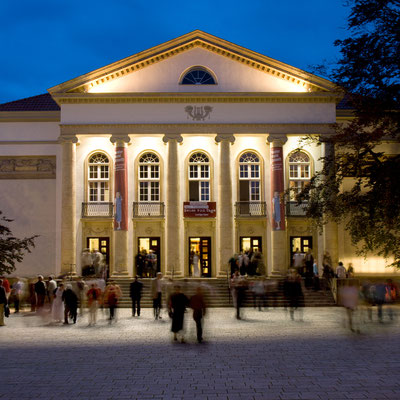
(200, 257)
(148, 257)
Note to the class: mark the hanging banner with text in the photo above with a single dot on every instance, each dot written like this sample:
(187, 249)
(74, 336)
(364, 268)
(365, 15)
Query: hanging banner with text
(121, 190)
(277, 189)
(199, 209)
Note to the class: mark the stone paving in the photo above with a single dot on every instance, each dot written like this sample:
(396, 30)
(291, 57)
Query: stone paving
(263, 356)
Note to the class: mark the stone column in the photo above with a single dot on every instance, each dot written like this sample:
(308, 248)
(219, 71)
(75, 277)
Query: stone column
(330, 230)
(121, 204)
(278, 222)
(174, 265)
(225, 235)
(68, 205)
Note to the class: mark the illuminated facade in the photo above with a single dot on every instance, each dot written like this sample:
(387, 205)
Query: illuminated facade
(186, 147)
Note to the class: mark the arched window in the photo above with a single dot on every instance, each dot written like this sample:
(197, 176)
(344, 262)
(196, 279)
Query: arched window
(149, 178)
(198, 76)
(98, 178)
(199, 177)
(299, 172)
(249, 177)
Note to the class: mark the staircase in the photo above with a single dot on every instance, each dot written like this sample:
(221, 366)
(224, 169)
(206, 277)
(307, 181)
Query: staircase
(217, 293)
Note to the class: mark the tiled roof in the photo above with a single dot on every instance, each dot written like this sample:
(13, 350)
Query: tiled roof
(42, 102)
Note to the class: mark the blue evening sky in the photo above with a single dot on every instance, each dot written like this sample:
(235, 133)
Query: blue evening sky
(47, 42)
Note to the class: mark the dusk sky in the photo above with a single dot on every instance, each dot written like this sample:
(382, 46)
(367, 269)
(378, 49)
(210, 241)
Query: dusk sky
(47, 42)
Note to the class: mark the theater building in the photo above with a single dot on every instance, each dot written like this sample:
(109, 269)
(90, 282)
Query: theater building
(186, 147)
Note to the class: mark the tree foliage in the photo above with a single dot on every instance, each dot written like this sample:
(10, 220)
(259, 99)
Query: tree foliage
(12, 249)
(359, 184)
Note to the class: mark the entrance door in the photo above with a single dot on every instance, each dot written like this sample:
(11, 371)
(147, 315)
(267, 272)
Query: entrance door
(253, 243)
(148, 258)
(200, 257)
(303, 243)
(101, 245)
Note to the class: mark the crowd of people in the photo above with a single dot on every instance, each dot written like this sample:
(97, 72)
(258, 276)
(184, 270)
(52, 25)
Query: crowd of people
(248, 262)
(58, 302)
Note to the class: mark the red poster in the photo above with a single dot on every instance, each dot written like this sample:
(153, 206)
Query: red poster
(199, 209)
(121, 190)
(277, 189)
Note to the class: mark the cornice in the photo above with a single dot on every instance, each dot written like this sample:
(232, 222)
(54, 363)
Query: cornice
(187, 42)
(30, 116)
(172, 97)
(141, 129)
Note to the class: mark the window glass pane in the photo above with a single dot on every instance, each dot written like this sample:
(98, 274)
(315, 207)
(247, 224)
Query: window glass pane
(255, 171)
(143, 191)
(104, 171)
(244, 173)
(92, 172)
(205, 191)
(155, 191)
(305, 171)
(255, 191)
(293, 171)
(154, 171)
(204, 171)
(93, 191)
(143, 172)
(193, 172)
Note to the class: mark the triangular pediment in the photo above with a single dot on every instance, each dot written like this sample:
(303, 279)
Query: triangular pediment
(197, 46)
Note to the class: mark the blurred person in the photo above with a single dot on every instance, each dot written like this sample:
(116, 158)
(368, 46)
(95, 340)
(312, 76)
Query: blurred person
(232, 286)
(271, 292)
(349, 298)
(176, 308)
(112, 295)
(327, 270)
(152, 263)
(196, 262)
(390, 296)
(379, 298)
(57, 309)
(198, 305)
(71, 304)
(316, 276)
(50, 288)
(368, 297)
(294, 293)
(82, 290)
(32, 295)
(86, 262)
(6, 286)
(309, 263)
(156, 292)
(40, 290)
(135, 293)
(18, 290)
(258, 289)
(240, 289)
(234, 264)
(93, 296)
(3, 302)
(350, 271)
(341, 272)
(298, 261)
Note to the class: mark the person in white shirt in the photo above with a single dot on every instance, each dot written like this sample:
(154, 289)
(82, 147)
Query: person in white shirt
(341, 271)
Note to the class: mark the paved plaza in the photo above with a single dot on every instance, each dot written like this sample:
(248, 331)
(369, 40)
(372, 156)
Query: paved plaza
(263, 356)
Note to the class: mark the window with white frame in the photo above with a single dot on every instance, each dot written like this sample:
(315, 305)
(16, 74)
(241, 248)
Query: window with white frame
(149, 178)
(199, 177)
(98, 178)
(299, 172)
(249, 177)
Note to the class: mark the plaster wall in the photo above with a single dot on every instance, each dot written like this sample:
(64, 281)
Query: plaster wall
(35, 131)
(164, 76)
(31, 203)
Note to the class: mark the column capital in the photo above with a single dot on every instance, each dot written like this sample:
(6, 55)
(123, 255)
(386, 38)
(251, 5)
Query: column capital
(277, 140)
(172, 136)
(225, 136)
(68, 139)
(119, 138)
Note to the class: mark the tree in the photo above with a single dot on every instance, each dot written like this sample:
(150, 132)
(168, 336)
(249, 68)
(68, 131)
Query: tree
(359, 183)
(12, 249)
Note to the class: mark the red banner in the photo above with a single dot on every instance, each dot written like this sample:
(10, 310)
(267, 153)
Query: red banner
(199, 209)
(277, 189)
(121, 190)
